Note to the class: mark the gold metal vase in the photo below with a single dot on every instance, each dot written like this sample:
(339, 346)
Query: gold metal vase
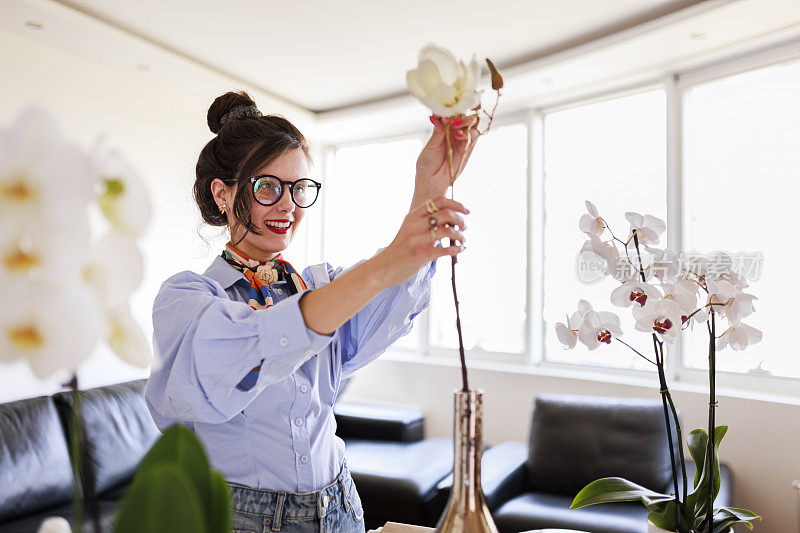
(466, 510)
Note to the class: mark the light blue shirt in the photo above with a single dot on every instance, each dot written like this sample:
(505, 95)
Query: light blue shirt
(280, 434)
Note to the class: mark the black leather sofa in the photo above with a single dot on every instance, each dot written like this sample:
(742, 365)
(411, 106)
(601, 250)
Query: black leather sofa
(35, 472)
(573, 441)
(395, 469)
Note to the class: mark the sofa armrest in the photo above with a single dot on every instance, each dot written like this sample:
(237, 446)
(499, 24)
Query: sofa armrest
(502, 473)
(725, 496)
(378, 422)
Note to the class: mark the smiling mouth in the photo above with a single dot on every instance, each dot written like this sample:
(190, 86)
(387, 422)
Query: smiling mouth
(280, 228)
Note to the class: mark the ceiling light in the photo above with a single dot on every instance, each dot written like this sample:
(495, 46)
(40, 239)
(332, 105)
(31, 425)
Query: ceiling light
(32, 24)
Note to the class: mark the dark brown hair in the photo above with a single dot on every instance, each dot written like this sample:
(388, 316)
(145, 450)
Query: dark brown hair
(240, 148)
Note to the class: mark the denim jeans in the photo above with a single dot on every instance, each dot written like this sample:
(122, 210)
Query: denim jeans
(334, 509)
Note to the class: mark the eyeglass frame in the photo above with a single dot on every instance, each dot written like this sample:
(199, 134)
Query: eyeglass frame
(254, 179)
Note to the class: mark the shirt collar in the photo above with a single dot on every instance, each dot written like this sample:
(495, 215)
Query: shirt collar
(223, 273)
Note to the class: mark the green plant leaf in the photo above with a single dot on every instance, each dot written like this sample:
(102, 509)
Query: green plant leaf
(161, 499)
(697, 500)
(726, 517)
(220, 512)
(664, 517)
(611, 489)
(179, 446)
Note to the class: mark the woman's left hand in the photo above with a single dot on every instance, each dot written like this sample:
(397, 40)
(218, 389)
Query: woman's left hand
(433, 172)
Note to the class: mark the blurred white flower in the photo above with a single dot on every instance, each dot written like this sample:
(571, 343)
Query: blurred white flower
(647, 227)
(665, 264)
(597, 327)
(735, 304)
(683, 292)
(43, 177)
(616, 266)
(126, 338)
(738, 337)
(634, 292)
(662, 317)
(122, 196)
(443, 83)
(44, 251)
(52, 328)
(114, 268)
(568, 333)
(591, 224)
(54, 524)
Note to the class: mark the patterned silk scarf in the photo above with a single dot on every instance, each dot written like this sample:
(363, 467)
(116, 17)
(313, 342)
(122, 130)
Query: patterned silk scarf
(261, 275)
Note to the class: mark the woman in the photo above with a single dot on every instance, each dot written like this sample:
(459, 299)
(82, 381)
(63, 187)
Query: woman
(251, 353)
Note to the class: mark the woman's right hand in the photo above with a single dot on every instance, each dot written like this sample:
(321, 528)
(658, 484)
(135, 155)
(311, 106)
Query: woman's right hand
(413, 246)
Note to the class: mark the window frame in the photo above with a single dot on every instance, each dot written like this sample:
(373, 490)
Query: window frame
(676, 82)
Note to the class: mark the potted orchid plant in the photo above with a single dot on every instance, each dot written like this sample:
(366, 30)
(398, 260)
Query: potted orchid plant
(666, 296)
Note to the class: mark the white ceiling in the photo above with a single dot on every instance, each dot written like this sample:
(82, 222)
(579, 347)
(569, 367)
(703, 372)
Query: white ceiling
(324, 55)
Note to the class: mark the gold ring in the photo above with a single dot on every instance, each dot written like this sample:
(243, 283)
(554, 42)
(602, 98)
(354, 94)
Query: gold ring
(430, 206)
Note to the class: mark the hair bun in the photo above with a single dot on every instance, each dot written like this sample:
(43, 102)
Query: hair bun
(225, 104)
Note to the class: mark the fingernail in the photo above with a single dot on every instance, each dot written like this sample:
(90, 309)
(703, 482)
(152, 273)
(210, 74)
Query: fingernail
(457, 122)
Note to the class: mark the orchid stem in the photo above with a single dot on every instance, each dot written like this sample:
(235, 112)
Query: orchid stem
(637, 352)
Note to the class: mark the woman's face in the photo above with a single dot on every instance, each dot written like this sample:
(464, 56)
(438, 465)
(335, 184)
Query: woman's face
(290, 166)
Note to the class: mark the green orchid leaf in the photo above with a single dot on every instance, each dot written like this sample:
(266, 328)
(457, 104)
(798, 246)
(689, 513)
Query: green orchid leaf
(611, 489)
(220, 513)
(664, 518)
(729, 516)
(162, 498)
(179, 446)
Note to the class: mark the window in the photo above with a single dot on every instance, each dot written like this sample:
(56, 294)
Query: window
(614, 154)
(371, 193)
(741, 185)
(491, 272)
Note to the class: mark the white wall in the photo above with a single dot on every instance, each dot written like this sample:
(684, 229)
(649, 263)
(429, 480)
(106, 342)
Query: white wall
(161, 129)
(761, 446)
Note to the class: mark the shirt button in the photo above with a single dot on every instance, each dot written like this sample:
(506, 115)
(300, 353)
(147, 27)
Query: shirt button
(284, 341)
(304, 459)
(304, 388)
(298, 421)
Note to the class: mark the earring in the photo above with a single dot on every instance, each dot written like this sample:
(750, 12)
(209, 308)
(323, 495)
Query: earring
(222, 208)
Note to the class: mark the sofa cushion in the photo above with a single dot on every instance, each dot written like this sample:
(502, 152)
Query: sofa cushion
(377, 422)
(118, 433)
(577, 439)
(105, 510)
(397, 481)
(35, 470)
(535, 510)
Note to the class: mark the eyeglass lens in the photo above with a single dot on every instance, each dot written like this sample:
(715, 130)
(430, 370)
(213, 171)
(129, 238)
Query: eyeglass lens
(268, 190)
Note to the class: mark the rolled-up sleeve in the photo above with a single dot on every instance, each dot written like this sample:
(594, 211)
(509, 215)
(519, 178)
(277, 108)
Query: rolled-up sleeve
(206, 343)
(386, 318)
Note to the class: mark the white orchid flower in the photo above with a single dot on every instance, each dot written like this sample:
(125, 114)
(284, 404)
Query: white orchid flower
(618, 267)
(126, 338)
(738, 336)
(114, 269)
(43, 250)
(42, 176)
(647, 227)
(122, 196)
(443, 83)
(599, 327)
(591, 224)
(662, 317)
(634, 292)
(568, 333)
(683, 292)
(734, 304)
(52, 328)
(665, 264)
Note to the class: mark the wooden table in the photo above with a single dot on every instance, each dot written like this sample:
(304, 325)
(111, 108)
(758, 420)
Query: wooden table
(394, 527)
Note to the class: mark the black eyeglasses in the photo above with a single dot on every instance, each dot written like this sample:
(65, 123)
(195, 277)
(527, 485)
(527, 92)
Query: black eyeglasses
(268, 190)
